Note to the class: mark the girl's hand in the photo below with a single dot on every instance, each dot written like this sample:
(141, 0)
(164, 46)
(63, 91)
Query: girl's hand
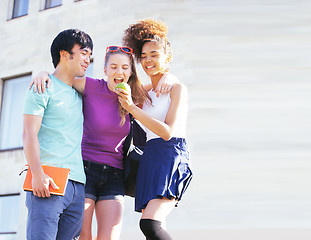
(125, 98)
(165, 84)
(39, 82)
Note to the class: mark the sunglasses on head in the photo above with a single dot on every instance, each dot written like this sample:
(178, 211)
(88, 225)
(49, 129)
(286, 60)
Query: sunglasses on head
(127, 50)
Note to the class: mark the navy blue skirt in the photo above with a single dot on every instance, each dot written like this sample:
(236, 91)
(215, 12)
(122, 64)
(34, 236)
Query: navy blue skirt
(164, 171)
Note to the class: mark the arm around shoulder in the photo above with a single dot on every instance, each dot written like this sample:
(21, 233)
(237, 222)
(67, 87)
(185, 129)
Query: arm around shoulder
(178, 107)
(179, 97)
(79, 84)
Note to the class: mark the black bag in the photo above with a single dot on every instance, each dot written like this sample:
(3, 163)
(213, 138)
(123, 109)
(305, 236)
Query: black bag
(133, 150)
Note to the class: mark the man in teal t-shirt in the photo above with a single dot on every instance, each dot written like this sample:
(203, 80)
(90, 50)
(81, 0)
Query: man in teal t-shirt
(52, 136)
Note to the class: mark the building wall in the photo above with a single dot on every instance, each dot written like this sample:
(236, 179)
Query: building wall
(247, 68)
(25, 43)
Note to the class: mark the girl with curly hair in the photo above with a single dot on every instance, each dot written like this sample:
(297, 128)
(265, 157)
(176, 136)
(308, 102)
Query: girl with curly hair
(164, 172)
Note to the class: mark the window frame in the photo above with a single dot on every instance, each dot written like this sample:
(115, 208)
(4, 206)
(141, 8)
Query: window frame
(9, 195)
(48, 2)
(13, 9)
(2, 80)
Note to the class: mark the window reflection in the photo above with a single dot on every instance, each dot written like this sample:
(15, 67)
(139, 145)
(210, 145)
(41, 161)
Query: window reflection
(11, 119)
(20, 8)
(9, 209)
(52, 3)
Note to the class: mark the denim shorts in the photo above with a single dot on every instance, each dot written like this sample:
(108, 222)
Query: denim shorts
(103, 182)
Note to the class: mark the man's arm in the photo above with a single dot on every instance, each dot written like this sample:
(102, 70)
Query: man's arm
(40, 181)
(79, 84)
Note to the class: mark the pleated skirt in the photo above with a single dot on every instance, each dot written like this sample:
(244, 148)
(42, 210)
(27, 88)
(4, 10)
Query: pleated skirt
(164, 171)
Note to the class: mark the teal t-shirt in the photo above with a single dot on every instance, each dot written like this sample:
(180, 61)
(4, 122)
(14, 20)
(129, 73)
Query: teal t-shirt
(61, 130)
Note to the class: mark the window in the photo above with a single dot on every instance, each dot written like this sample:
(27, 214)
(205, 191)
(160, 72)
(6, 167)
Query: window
(52, 3)
(20, 8)
(11, 120)
(9, 215)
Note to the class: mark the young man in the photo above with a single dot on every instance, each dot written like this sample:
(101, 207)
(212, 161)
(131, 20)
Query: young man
(52, 136)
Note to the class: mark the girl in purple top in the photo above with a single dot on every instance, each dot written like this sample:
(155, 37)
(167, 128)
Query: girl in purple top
(106, 125)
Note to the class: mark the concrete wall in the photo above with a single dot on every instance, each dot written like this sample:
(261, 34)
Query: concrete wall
(247, 66)
(25, 43)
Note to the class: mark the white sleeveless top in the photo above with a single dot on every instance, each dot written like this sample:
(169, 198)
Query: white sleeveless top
(158, 110)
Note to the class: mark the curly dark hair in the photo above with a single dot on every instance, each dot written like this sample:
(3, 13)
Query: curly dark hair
(136, 35)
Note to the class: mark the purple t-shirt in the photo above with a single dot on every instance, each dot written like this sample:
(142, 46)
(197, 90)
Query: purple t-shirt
(103, 136)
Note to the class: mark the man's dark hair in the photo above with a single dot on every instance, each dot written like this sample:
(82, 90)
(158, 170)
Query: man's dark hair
(66, 40)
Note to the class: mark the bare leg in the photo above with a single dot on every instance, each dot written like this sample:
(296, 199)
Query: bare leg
(154, 216)
(86, 232)
(158, 209)
(109, 219)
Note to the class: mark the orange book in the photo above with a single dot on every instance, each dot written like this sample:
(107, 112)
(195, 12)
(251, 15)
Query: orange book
(59, 175)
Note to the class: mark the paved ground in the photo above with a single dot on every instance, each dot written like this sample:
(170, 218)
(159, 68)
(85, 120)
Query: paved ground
(234, 234)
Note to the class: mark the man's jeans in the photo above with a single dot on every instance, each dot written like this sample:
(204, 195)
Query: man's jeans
(56, 217)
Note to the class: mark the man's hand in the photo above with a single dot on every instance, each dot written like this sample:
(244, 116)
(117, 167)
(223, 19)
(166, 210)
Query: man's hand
(41, 183)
